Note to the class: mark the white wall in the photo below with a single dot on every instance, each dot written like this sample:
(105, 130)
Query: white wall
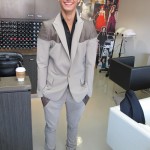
(135, 14)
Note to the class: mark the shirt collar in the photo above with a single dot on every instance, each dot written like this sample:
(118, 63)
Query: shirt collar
(75, 18)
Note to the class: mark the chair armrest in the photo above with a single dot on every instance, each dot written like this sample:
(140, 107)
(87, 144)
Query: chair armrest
(128, 60)
(124, 133)
(140, 78)
(120, 73)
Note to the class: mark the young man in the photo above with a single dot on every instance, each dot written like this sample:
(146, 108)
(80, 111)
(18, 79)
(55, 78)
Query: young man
(66, 52)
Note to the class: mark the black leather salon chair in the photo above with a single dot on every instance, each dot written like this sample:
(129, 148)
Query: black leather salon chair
(124, 74)
(9, 62)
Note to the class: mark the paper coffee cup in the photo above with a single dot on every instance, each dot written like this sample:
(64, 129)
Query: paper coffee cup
(20, 73)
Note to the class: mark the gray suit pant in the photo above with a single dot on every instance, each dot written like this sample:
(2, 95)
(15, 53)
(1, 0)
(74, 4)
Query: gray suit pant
(52, 110)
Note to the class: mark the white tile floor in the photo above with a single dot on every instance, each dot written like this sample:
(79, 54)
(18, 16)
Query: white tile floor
(93, 125)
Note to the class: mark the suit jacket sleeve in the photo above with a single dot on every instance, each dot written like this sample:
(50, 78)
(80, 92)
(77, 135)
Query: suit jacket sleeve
(91, 57)
(43, 45)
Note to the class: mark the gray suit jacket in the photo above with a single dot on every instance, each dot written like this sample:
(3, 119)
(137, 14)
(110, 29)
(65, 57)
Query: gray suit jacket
(57, 69)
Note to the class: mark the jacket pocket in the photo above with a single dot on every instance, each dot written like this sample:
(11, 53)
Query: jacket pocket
(83, 83)
(48, 86)
(50, 83)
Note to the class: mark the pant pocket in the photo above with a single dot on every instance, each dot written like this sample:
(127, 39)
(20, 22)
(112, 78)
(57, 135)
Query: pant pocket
(86, 99)
(44, 101)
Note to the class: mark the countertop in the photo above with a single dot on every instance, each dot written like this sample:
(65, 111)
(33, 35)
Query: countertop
(21, 51)
(9, 84)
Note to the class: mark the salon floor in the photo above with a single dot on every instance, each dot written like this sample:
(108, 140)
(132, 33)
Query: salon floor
(93, 125)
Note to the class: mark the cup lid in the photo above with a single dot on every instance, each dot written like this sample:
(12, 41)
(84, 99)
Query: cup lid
(20, 69)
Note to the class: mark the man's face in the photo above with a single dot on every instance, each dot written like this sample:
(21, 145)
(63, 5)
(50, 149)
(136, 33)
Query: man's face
(68, 5)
